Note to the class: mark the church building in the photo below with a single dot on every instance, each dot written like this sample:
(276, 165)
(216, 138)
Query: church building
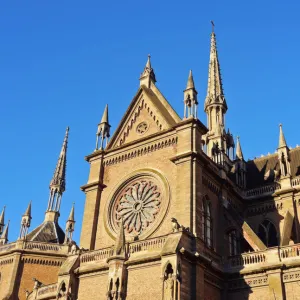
(173, 211)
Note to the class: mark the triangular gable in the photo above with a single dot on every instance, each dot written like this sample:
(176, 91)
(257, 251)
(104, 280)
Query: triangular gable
(148, 113)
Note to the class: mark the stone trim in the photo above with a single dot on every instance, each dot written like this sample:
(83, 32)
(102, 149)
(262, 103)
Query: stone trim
(211, 186)
(6, 261)
(264, 208)
(291, 276)
(243, 283)
(143, 150)
(29, 260)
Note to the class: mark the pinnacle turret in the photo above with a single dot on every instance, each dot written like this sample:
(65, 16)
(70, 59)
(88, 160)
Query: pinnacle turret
(190, 83)
(239, 153)
(103, 131)
(190, 98)
(25, 223)
(4, 236)
(148, 77)
(282, 141)
(70, 226)
(120, 241)
(283, 152)
(58, 181)
(2, 222)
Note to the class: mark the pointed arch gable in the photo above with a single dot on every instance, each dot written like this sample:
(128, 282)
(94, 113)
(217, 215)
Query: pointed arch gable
(150, 105)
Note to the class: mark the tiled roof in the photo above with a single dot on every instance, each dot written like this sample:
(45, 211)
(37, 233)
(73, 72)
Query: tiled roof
(49, 232)
(260, 171)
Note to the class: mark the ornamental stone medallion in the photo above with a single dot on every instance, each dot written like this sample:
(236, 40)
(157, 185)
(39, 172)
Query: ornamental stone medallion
(138, 202)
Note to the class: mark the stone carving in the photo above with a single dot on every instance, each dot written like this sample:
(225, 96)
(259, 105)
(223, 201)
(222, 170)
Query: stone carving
(142, 128)
(169, 288)
(37, 283)
(138, 205)
(177, 227)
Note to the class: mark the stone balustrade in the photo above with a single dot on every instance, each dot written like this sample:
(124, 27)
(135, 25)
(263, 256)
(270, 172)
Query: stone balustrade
(45, 247)
(35, 246)
(47, 290)
(44, 292)
(296, 181)
(263, 190)
(97, 255)
(246, 259)
(150, 244)
(287, 252)
(268, 257)
(7, 247)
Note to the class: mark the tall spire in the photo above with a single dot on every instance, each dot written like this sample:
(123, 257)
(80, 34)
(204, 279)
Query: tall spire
(148, 77)
(103, 131)
(282, 141)
(4, 236)
(2, 222)
(25, 223)
(190, 98)
(239, 152)
(120, 242)
(215, 94)
(58, 181)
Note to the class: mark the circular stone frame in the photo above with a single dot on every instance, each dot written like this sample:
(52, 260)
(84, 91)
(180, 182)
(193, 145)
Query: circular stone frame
(164, 188)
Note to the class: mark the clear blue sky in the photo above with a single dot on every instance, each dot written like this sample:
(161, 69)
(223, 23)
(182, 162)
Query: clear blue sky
(62, 61)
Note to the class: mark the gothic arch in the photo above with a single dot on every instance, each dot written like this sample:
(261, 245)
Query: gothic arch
(268, 233)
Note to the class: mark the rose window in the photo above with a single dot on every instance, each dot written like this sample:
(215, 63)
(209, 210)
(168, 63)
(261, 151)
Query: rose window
(137, 204)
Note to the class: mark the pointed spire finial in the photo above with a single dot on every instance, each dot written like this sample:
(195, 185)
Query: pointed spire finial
(105, 115)
(190, 98)
(72, 213)
(148, 76)
(190, 83)
(120, 241)
(239, 152)
(282, 141)
(2, 215)
(213, 26)
(103, 131)
(4, 236)
(148, 64)
(28, 210)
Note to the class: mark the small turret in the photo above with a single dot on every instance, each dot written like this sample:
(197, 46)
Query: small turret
(4, 236)
(240, 165)
(25, 223)
(120, 242)
(190, 98)
(103, 131)
(70, 226)
(117, 269)
(148, 77)
(283, 155)
(239, 152)
(2, 220)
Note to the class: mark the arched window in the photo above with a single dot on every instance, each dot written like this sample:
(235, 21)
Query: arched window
(207, 230)
(268, 234)
(232, 242)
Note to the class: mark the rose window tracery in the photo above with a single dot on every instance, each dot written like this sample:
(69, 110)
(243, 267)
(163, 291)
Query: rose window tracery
(138, 204)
